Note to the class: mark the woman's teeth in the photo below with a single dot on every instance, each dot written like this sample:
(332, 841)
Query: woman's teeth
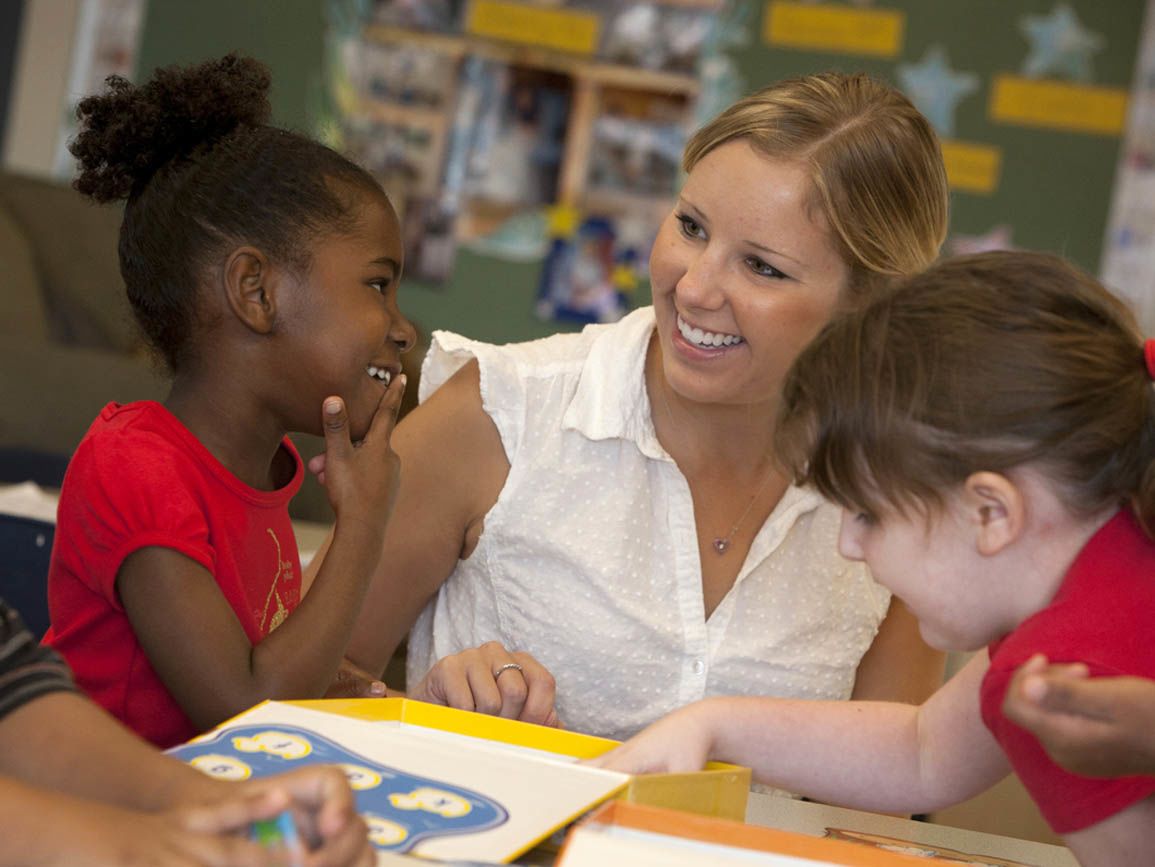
(381, 374)
(706, 339)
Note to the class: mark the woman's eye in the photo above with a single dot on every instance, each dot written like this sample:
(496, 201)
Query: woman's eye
(764, 269)
(690, 227)
(380, 285)
(865, 518)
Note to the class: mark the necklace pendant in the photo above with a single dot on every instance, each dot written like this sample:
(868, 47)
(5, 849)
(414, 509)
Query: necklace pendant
(720, 545)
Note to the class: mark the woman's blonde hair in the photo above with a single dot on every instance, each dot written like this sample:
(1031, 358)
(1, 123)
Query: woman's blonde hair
(875, 162)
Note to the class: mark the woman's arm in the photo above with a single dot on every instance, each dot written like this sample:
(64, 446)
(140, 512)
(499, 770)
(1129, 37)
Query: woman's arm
(883, 756)
(453, 468)
(899, 666)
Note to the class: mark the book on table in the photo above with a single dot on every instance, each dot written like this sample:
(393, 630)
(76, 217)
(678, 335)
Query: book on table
(440, 783)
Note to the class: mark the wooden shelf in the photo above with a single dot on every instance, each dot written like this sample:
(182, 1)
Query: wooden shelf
(591, 80)
(578, 66)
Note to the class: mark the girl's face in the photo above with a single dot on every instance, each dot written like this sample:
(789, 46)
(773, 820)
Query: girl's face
(933, 566)
(743, 276)
(345, 332)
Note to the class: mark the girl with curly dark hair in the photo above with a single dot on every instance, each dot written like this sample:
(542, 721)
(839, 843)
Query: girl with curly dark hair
(263, 268)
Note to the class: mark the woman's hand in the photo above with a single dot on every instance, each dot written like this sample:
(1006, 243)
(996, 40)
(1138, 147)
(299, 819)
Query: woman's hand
(1098, 727)
(490, 679)
(676, 744)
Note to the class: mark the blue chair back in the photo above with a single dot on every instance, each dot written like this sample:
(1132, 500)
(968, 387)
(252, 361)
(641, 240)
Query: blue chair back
(25, 548)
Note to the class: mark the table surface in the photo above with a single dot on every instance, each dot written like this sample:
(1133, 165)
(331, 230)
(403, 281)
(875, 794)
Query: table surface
(805, 817)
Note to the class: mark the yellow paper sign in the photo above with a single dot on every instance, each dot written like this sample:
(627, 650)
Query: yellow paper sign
(564, 30)
(973, 168)
(1058, 105)
(839, 29)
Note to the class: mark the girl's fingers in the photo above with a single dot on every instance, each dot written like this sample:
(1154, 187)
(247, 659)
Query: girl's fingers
(335, 423)
(385, 418)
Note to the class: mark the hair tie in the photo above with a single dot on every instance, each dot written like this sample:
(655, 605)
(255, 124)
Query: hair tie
(1149, 356)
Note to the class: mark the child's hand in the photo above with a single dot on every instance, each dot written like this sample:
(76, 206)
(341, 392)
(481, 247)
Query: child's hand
(325, 812)
(206, 835)
(361, 478)
(1098, 727)
(489, 679)
(676, 744)
(352, 681)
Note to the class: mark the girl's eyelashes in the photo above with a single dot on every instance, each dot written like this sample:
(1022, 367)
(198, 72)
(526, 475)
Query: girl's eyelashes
(865, 518)
(381, 285)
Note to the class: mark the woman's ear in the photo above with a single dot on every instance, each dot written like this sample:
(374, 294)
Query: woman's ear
(249, 289)
(997, 509)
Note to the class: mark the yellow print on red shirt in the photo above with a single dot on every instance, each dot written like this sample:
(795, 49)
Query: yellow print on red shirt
(273, 600)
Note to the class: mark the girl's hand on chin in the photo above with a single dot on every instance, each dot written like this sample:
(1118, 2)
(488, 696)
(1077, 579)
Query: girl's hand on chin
(361, 479)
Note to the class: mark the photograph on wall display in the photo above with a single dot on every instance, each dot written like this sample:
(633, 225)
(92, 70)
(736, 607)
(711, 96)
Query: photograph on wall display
(442, 16)
(517, 140)
(587, 276)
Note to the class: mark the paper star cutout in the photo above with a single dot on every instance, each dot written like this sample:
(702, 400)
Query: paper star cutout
(935, 88)
(998, 238)
(1059, 45)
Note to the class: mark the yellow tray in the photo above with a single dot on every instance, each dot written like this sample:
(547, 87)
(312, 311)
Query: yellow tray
(719, 790)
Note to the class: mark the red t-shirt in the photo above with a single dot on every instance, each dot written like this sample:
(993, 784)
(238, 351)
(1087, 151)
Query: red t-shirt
(140, 479)
(1104, 616)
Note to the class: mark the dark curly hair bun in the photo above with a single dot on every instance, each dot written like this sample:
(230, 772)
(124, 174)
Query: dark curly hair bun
(129, 132)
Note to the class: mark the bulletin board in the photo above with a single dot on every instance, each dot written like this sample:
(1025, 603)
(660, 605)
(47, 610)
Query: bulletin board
(1029, 96)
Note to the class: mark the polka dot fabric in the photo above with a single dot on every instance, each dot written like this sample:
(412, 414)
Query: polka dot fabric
(589, 559)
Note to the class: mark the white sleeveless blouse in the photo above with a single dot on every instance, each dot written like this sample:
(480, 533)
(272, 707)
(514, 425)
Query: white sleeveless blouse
(589, 559)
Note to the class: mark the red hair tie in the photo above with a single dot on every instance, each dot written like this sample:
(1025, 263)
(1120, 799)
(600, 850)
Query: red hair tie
(1149, 356)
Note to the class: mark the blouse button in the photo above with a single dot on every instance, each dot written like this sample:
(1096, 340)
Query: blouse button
(699, 666)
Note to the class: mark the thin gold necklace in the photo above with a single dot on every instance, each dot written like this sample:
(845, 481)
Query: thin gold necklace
(721, 544)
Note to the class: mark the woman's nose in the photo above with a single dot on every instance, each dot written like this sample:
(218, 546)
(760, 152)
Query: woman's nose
(700, 283)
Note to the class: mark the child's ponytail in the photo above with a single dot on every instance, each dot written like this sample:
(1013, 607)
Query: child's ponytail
(128, 133)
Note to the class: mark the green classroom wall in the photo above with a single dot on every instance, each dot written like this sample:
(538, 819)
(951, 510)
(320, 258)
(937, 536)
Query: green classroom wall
(1054, 189)
(486, 299)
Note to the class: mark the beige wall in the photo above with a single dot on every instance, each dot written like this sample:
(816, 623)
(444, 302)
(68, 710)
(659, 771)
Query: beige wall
(40, 82)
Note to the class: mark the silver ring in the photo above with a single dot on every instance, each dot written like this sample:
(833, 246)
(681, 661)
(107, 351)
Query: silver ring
(506, 667)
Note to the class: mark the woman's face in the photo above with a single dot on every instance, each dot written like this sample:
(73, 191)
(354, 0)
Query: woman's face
(743, 276)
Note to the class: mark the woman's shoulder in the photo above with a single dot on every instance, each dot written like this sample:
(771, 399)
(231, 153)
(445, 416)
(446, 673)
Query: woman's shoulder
(545, 358)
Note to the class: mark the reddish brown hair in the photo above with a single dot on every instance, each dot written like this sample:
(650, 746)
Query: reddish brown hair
(983, 362)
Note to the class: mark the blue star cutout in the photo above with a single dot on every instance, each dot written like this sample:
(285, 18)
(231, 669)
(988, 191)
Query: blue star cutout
(935, 88)
(1059, 45)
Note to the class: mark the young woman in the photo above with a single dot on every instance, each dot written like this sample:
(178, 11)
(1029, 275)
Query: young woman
(609, 501)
